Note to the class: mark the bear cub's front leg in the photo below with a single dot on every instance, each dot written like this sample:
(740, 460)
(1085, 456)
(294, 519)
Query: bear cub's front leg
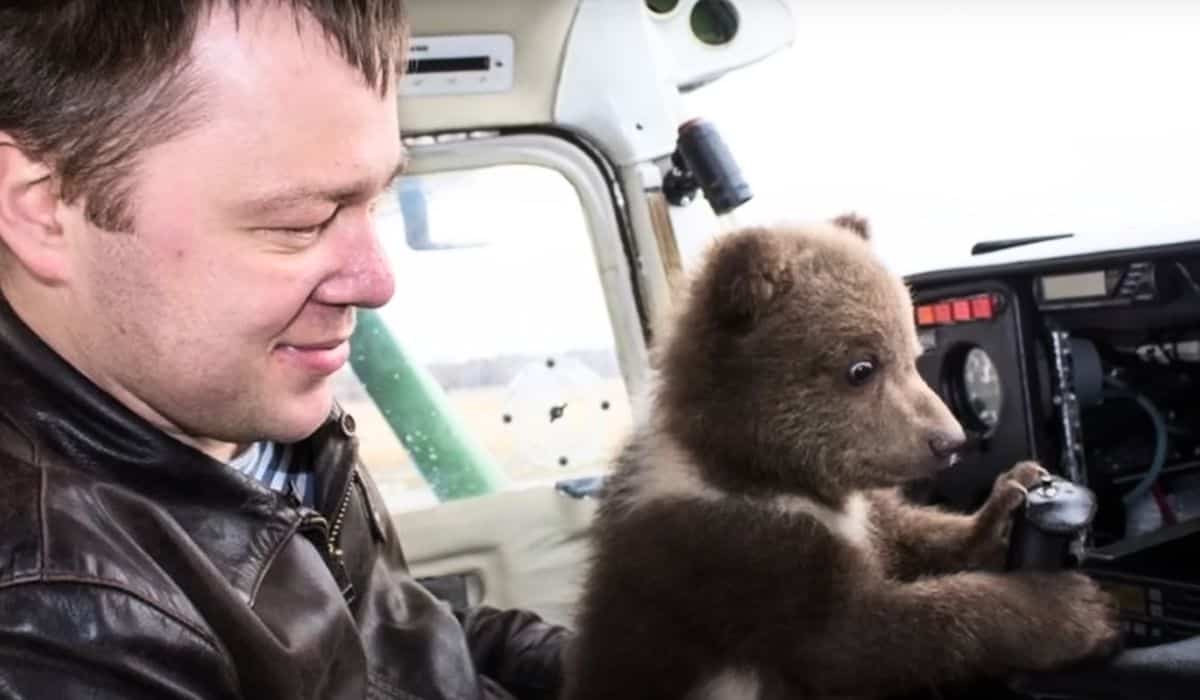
(991, 525)
(919, 541)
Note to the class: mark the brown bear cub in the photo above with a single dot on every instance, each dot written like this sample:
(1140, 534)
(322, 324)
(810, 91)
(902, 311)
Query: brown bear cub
(752, 542)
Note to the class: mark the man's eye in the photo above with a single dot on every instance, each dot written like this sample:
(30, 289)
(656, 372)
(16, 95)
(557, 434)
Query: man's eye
(310, 230)
(306, 231)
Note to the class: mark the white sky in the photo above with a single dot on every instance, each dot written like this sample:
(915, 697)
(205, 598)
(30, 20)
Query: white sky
(950, 122)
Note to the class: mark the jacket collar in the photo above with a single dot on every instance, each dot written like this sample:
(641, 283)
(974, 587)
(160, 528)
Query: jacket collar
(64, 418)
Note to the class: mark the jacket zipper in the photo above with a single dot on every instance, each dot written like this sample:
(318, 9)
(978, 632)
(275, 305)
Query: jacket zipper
(335, 531)
(327, 536)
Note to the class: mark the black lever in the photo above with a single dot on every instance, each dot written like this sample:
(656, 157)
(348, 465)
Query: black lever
(1056, 512)
(702, 161)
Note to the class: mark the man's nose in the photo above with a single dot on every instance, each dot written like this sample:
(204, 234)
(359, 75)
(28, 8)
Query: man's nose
(364, 276)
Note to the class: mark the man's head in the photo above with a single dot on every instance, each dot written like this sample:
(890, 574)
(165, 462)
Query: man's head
(185, 195)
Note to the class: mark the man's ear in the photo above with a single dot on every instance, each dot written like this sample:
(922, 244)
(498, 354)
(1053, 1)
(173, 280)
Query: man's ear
(747, 272)
(29, 227)
(853, 222)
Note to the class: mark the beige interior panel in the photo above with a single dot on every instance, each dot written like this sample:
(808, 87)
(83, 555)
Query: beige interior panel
(539, 28)
(528, 548)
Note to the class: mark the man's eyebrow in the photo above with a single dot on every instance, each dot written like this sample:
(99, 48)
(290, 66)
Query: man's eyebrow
(290, 197)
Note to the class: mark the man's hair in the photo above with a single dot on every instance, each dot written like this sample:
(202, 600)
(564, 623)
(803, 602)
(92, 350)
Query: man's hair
(86, 85)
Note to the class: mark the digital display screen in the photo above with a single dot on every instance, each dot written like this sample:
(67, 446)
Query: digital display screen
(1076, 286)
(456, 64)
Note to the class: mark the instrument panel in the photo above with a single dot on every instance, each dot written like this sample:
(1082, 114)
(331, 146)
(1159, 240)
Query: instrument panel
(1091, 367)
(974, 358)
(999, 353)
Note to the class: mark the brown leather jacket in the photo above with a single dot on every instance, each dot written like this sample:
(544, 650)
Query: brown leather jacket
(132, 566)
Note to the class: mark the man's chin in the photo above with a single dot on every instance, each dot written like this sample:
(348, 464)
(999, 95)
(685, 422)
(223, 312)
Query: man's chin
(302, 416)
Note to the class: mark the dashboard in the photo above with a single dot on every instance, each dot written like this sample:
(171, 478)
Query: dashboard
(1091, 366)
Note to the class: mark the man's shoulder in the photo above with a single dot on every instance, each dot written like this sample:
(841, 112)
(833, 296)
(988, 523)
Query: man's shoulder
(21, 537)
(57, 530)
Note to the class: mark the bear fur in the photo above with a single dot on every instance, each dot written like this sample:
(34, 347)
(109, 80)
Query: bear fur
(752, 541)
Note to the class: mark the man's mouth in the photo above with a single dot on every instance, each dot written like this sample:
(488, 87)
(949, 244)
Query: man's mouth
(324, 345)
(321, 357)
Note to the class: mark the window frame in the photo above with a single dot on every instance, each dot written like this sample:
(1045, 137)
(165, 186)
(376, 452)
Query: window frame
(590, 176)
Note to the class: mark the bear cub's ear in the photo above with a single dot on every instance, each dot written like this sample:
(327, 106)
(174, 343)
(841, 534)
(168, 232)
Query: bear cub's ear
(853, 222)
(748, 272)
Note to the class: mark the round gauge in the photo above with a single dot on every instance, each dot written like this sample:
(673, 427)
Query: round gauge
(982, 392)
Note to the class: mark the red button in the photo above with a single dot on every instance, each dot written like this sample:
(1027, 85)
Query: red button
(981, 307)
(925, 316)
(943, 313)
(962, 310)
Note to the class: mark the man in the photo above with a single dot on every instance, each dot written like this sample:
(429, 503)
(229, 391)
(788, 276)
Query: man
(185, 232)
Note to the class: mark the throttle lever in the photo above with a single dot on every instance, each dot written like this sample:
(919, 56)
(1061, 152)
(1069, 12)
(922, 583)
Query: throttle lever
(1055, 513)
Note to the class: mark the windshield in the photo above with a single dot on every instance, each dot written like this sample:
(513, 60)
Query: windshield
(950, 123)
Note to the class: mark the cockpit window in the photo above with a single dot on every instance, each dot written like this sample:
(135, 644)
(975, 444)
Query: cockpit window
(495, 366)
(948, 124)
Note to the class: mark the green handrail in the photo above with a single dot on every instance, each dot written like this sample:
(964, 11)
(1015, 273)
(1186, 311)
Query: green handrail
(416, 408)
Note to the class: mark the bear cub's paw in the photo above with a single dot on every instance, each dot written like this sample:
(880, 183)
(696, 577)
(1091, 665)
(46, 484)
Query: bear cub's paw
(1081, 621)
(993, 521)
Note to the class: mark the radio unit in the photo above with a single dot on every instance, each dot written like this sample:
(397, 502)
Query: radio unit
(466, 64)
(1121, 285)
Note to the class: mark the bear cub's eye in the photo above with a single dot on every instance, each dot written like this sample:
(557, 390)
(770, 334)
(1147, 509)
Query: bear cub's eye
(861, 371)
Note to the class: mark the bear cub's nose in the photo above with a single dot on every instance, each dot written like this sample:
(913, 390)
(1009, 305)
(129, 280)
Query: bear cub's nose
(945, 446)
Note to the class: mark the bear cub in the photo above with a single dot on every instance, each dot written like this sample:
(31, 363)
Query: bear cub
(752, 541)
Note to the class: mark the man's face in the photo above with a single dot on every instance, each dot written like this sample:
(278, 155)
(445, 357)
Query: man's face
(223, 315)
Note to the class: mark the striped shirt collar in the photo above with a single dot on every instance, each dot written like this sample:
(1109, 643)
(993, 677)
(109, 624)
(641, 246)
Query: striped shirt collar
(275, 466)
